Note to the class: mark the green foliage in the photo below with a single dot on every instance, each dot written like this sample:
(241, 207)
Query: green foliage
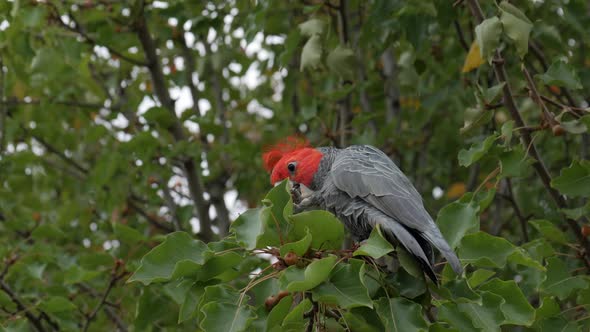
(132, 196)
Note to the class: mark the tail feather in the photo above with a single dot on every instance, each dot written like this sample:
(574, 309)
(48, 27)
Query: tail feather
(396, 231)
(436, 239)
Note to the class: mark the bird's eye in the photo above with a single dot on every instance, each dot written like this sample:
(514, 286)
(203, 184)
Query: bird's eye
(291, 167)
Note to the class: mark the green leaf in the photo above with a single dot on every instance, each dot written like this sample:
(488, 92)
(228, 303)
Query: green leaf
(548, 308)
(345, 288)
(189, 306)
(327, 232)
(549, 231)
(575, 180)
(341, 61)
(486, 316)
(476, 151)
(225, 317)
(279, 312)
(479, 276)
(311, 56)
(450, 313)
(178, 255)
(408, 262)
(560, 281)
(298, 247)
(159, 116)
(460, 291)
(249, 226)
(375, 246)
(399, 314)
(127, 234)
(360, 322)
(294, 321)
(57, 304)
(485, 250)
(522, 257)
(507, 129)
(457, 219)
(514, 163)
(561, 74)
(487, 35)
(298, 280)
(312, 27)
(517, 27)
(577, 213)
(493, 92)
(516, 308)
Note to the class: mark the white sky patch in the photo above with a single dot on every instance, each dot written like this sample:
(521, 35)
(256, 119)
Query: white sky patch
(120, 121)
(437, 193)
(252, 78)
(204, 106)
(145, 105)
(255, 46)
(179, 63)
(4, 25)
(234, 205)
(160, 4)
(254, 107)
(102, 52)
(195, 225)
(192, 127)
(183, 99)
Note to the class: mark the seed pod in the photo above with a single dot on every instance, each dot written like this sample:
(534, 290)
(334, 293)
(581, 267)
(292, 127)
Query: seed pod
(291, 258)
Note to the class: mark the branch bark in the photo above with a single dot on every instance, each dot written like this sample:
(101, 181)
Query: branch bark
(36, 321)
(176, 130)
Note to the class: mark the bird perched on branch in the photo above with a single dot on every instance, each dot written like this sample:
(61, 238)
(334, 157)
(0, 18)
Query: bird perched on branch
(363, 188)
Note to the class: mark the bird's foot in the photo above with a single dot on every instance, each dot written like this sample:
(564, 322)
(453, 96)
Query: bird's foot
(296, 193)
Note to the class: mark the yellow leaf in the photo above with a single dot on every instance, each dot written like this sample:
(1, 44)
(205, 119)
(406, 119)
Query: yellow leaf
(473, 59)
(456, 189)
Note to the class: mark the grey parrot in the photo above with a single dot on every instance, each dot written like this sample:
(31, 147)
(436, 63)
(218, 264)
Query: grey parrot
(363, 188)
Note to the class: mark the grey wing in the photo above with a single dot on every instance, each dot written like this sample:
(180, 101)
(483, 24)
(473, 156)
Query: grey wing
(366, 172)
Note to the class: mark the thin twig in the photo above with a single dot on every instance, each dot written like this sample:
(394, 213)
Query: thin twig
(78, 29)
(461, 35)
(115, 277)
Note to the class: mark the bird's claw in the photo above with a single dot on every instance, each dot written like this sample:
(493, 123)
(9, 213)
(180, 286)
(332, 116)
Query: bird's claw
(296, 193)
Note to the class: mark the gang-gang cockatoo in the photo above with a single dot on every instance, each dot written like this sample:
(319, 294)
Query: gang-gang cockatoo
(363, 188)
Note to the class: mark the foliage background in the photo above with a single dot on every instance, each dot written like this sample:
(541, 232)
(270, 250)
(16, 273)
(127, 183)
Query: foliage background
(124, 121)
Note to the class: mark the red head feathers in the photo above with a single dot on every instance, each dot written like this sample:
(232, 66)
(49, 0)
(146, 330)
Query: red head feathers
(294, 150)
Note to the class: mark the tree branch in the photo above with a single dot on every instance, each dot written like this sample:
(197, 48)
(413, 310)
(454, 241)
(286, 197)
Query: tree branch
(115, 277)
(110, 312)
(36, 321)
(78, 29)
(526, 138)
(176, 129)
(3, 108)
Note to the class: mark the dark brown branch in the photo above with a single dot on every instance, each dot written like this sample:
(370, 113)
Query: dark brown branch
(3, 108)
(60, 154)
(150, 218)
(527, 141)
(171, 204)
(509, 196)
(461, 35)
(36, 321)
(110, 312)
(176, 129)
(115, 277)
(344, 112)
